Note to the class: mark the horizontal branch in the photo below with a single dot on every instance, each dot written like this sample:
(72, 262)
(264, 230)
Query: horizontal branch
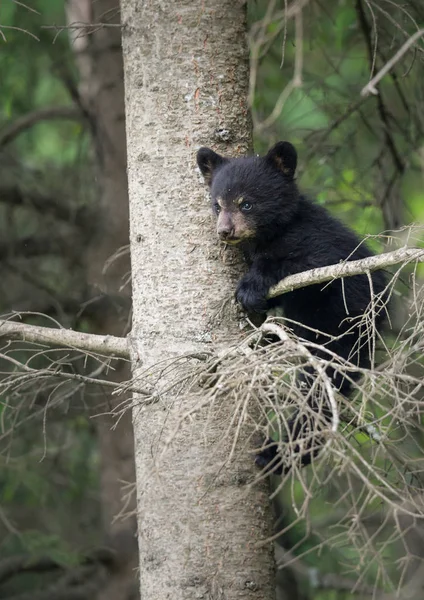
(100, 344)
(119, 347)
(10, 132)
(82, 25)
(346, 269)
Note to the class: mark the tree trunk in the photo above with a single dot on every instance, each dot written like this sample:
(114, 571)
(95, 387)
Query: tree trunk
(99, 60)
(186, 75)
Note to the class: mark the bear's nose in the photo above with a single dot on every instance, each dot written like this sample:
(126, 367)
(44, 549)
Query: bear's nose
(226, 232)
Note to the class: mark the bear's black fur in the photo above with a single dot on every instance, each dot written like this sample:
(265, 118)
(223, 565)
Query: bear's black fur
(281, 232)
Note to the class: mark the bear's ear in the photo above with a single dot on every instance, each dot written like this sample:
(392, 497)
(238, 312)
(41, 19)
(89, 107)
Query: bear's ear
(283, 157)
(209, 161)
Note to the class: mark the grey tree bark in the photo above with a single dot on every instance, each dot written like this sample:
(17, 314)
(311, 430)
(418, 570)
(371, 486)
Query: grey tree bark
(186, 80)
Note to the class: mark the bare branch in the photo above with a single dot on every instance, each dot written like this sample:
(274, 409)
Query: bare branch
(346, 269)
(295, 82)
(16, 29)
(82, 29)
(281, 333)
(9, 133)
(261, 39)
(100, 344)
(29, 8)
(116, 346)
(82, 26)
(51, 372)
(370, 87)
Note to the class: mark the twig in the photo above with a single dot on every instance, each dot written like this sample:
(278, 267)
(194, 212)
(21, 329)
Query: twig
(39, 373)
(82, 26)
(262, 41)
(370, 88)
(294, 83)
(13, 28)
(384, 115)
(27, 7)
(279, 331)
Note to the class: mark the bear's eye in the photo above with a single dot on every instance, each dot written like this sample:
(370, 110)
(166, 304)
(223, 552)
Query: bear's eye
(217, 208)
(246, 206)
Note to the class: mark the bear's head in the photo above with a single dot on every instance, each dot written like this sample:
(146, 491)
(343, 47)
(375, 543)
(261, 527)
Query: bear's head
(253, 197)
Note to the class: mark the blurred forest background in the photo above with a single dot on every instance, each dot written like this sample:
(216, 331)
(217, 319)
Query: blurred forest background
(66, 478)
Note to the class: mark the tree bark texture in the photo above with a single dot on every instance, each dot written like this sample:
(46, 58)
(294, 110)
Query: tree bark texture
(101, 87)
(186, 79)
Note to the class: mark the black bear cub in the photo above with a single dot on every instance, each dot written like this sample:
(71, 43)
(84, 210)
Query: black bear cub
(259, 207)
